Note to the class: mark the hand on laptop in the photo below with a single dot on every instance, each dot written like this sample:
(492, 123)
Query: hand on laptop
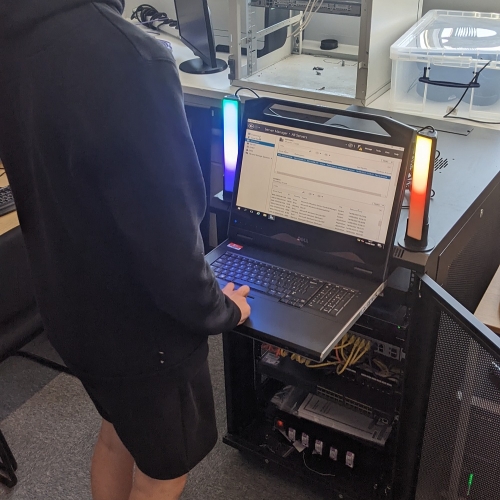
(239, 298)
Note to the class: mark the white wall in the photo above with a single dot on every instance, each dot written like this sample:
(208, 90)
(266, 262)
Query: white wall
(476, 5)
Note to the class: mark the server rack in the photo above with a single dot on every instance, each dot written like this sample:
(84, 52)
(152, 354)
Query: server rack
(447, 389)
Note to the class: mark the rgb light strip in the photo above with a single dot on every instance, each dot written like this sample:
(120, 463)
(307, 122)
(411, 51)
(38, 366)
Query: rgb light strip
(230, 127)
(417, 238)
(419, 187)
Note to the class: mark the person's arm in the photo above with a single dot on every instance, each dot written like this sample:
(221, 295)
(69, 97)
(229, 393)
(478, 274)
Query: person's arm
(153, 186)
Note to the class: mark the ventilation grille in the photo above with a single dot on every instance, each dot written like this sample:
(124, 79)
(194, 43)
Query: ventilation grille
(398, 252)
(440, 163)
(460, 455)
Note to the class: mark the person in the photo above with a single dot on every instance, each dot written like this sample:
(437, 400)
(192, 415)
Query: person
(97, 149)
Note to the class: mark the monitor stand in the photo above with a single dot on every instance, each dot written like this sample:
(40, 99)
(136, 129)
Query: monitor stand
(198, 67)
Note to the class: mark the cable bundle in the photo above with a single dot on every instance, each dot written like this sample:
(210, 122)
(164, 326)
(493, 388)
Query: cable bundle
(311, 8)
(149, 16)
(349, 352)
(352, 350)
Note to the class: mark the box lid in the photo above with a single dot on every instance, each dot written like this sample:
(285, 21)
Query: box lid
(457, 37)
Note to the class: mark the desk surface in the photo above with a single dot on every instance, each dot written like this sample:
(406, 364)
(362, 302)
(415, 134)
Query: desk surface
(8, 221)
(488, 310)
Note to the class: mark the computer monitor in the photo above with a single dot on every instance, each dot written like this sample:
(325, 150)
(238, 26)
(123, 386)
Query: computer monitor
(195, 30)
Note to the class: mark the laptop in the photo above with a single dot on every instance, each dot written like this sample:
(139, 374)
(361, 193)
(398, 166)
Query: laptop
(316, 203)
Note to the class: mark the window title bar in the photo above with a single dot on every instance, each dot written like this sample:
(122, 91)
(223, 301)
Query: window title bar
(335, 141)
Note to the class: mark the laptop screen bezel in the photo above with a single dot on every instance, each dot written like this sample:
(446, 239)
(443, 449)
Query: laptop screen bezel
(396, 134)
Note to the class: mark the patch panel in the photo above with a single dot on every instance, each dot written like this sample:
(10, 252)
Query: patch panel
(331, 395)
(343, 7)
(350, 403)
(358, 407)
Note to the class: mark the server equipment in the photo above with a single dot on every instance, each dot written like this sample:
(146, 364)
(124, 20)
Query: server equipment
(405, 406)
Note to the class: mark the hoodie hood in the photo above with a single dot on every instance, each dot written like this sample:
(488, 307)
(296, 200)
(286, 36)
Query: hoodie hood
(19, 16)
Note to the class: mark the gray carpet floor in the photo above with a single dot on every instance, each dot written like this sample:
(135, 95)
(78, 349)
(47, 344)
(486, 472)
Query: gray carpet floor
(51, 427)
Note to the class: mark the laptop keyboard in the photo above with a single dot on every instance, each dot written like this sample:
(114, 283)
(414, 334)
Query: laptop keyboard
(295, 289)
(6, 200)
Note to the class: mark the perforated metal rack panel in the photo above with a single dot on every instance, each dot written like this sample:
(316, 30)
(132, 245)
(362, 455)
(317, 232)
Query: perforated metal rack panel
(470, 261)
(460, 458)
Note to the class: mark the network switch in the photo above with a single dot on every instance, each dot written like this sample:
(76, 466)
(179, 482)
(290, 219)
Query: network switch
(385, 348)
(343, 419)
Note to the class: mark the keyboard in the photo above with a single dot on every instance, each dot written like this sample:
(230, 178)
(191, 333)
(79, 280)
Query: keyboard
(294, 289)
(6, 200)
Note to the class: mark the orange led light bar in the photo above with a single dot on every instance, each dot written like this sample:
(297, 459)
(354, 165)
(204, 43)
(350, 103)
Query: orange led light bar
(417, 230)
(419, 186)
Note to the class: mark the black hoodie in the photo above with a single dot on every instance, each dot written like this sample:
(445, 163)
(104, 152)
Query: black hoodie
(96, 145)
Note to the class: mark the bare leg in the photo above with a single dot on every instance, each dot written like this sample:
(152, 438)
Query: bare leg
(146, 488)
(112, 466)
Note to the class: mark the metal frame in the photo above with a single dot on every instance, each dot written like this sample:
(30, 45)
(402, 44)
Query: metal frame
(239, 71)
(363, 50)
(421, 346)
(238, 68)
(364, 93)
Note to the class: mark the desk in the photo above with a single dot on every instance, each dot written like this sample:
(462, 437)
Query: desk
(488, 310)
(8, 221)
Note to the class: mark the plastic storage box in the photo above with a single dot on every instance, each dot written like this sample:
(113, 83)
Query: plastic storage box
(449, 64)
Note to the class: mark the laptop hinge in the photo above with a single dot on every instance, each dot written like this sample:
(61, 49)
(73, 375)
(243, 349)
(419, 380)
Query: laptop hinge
(364, 271)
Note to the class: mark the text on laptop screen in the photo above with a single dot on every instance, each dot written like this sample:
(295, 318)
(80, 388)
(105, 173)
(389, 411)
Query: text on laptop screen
(332, 182)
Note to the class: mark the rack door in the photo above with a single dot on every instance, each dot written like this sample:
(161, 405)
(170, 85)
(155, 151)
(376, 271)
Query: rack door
(460, 451)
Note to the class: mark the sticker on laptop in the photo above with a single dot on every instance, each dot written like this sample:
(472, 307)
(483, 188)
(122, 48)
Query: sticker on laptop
(235, 246)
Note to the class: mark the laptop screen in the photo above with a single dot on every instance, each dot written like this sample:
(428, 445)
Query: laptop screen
(335, 183)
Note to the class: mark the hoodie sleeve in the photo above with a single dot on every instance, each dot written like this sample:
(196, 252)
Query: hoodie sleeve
(153, 186)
